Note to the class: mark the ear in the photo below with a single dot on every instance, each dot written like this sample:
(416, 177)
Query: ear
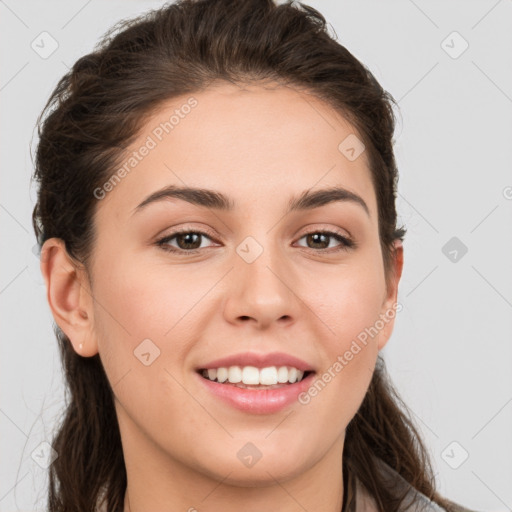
(390, 306)
(69, 296)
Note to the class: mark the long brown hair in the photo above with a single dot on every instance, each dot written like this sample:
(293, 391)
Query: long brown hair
(94, 113)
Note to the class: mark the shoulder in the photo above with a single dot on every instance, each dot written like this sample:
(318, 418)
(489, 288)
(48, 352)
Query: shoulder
(414, 500)
(455, 507)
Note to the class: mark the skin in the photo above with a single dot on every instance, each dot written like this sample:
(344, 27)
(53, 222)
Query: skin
(259, 145)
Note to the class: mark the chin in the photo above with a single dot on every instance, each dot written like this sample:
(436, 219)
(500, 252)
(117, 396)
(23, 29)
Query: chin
(258, 478)
(262, 473)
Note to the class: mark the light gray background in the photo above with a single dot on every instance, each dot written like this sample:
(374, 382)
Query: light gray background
(450, 354)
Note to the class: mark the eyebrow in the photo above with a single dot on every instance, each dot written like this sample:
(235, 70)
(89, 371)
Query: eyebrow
(308, 200)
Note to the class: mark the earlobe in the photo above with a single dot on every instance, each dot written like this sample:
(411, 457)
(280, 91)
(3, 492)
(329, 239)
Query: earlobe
(68, 296)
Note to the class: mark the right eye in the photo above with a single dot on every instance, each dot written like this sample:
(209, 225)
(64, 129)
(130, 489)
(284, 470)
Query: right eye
(185, 238)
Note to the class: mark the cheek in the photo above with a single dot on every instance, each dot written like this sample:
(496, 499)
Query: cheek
(134, 316)
(349, 306)
(350, 356)
(141, 301)
(349, 303)
(153, 314)
(142, 327)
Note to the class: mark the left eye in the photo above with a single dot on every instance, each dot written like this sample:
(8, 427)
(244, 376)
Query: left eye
(318, 237)
(188, 241)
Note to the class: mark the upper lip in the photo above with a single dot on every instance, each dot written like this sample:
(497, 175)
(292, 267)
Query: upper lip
(259, 361)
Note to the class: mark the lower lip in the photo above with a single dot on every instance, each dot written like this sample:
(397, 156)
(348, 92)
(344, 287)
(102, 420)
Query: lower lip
(258, 401)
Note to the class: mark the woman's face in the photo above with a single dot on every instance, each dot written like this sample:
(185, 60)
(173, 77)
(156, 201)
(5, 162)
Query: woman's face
(261, 279)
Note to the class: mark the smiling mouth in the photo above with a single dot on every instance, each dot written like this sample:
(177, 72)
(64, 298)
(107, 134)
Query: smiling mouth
(204, 374)
(260, 393)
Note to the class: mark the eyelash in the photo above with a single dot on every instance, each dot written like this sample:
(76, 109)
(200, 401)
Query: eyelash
(347, 243)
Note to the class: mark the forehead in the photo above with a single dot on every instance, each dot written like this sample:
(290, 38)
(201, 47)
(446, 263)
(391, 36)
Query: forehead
(254, 142)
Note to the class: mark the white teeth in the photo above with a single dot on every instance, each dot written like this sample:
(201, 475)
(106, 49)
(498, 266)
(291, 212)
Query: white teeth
(251, 375)
(234, 374)
(282, 374)
(268, 376)
(222, 374)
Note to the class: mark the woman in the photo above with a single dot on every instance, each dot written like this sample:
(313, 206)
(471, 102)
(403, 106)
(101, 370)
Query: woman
(217, 219)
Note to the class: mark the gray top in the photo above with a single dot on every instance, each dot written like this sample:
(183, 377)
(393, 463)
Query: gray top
(414, 501)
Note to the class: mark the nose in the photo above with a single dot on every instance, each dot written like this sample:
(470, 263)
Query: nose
(262, 291)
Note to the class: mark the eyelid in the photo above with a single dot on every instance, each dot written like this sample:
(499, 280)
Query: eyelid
(188, 229)
(319, 228)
